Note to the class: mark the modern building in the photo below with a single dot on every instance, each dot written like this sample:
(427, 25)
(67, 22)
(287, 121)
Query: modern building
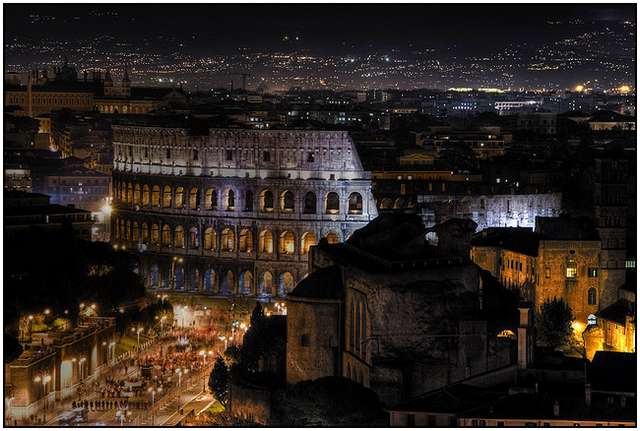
(228, 212)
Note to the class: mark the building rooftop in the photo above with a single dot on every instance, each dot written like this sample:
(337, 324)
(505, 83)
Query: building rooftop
(325, 283)
(617, 312)
(519, 239)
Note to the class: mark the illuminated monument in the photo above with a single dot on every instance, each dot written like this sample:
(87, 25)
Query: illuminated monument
(223, 212)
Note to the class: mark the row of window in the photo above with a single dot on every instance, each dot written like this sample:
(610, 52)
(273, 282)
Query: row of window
(227, 282)
(212, 241)
(180, 198)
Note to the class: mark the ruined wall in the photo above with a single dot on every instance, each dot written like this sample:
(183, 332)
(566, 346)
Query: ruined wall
(313, 338)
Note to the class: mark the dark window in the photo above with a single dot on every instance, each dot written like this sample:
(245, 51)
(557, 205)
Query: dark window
(310, 158)
(592, 296)
(248, 201)
(195, 154)
(229, 155)
(431, 420)
(500, 423)
(411, 420)
(310, 203)
(593, 272)
(168, 153)
(304, 340)
(266, 156)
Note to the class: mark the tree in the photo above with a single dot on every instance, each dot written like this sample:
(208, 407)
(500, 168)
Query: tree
(219, 380)
(553, 324)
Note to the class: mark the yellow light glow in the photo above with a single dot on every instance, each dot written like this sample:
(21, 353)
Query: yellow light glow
(579, 88)
(624, 89)
(577, 327)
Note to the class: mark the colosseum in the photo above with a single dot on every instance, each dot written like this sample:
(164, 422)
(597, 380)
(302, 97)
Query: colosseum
(233, 212)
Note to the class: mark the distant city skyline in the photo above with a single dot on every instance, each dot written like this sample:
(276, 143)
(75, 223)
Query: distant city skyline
(333, 46)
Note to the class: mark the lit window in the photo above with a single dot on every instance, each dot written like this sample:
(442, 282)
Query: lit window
(630, 264)
(593, 272)
(572, 269)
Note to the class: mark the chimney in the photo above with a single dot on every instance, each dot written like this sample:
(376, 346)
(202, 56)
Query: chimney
(587, 394)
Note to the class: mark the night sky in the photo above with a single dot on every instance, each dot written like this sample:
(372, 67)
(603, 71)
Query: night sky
(331, 28)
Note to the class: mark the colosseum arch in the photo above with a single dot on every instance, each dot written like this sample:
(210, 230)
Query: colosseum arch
(166, 235)
(166, 197)
(265, 242)
(210, 281)
(286, 283)
(155, 234)
(211, 199)
(287, 201)
(129, 193)
(194, 238)
(145, 195)
(245, 241)
(178, 237)
(287, 243)
(155, 196)
(355, 203)
(308, 239)
(178, 277)
(210, 239)
(135, 232)
(230, 200)
(179, 198)
(194, 280)
(266, 200)
(154, 276)
(228, 283)
(248, 200)
(227, 240)
(266, 284)
(136, 194)
(332, 203)
(194, 198)
(332, 238)
(246, 283)
(386, 204)
(310, 203)
(144, 233)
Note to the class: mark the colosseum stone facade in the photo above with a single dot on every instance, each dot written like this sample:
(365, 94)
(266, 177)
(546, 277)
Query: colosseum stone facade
(233, 212)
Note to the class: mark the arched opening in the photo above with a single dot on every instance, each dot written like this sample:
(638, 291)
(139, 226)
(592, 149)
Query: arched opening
(178, 280)
(229, 283)
(265, 242)
(145, 195)
(332, 238)
(155, 234)
(145, 233)
(210, 284)
(266, 284)
(310, 203)
(209, 239)
(287, 201)
(194, 198)
(231, 200)
(155, 196)
(248, 200)
(308, 239)
(136, 194)
(166, 235)
(194, 240)
(287, 243)
(194, 280)
(211, 199)
(154, 276)
(245, 243)
(266, 200)
(166, 197)
(135, 232)
(246, 283)
(355, 203)
(178, 237)
(333, 203)
(179, 197)
(227, 240)
(129, 193)
(386, 204)
(287, 283)
(398, 204)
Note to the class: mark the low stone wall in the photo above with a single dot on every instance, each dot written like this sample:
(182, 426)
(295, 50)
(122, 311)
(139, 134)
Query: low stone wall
(250, 403)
